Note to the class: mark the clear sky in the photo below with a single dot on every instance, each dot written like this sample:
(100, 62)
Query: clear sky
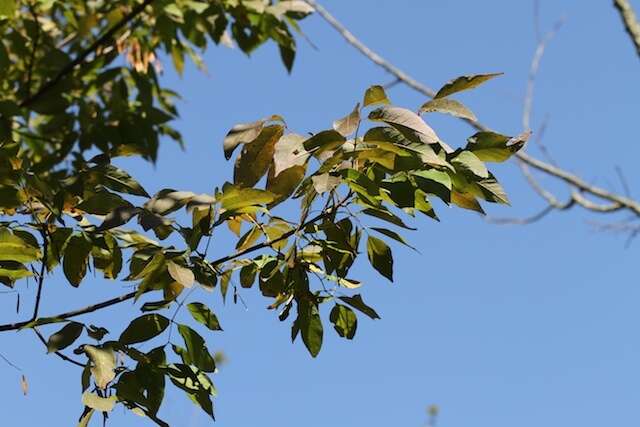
(500, 326)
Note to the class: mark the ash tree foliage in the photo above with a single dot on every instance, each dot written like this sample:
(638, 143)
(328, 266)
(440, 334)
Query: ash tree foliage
(80, 88)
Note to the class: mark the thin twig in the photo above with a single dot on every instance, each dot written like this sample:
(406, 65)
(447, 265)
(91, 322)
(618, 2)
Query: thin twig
(629, 21)
(43, 270)
(10, 363)
(533, 73)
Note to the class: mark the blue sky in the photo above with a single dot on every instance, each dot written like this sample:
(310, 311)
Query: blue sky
(499, 326)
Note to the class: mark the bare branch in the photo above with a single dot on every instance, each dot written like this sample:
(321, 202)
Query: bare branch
(9, 362)
(629, 21)
(533, 73)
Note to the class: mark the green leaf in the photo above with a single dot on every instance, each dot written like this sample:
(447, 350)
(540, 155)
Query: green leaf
(256, 157)
(493, 147)
(380, 257)
(235, 198)
(76, 257)
(344, 321)
(7, 8)
(64, 337)
(470, 163)
(285, 183)
(357, 303)
(432, 181)
(118, 217)
(392, 234)
(248, 275)
(102, 404)
(375, 95)
(102, 203)
(407, 122)
(324, 141)
(196, 352)
(201, 313)
(310, 326)
(387, 216)
(466, 201)
(195, 383)
(13, 248)
(348, 124)
(144, 328)
(118, 180)
(10, 271)
(448, 106)
(464, 83)
(492, 191)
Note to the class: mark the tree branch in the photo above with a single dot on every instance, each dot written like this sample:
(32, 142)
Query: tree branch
(549, 169)
(137, 10)
(629, 21)
(117, 300)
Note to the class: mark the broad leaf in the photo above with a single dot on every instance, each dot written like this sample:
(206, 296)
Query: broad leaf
(493, 147)
(464, 83)
(201, 313)
(64, 337)
(380, 257)
(348, 124)
(357, 303)
(196, 352)
(144, 328)
(180, 274)
(13, 248)
(103, 364)
(344, 321)
(375, 95)
(448, 106)
(76, 257)
(102, 404)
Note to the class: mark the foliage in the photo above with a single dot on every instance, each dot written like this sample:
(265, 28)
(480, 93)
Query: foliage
(80, 88)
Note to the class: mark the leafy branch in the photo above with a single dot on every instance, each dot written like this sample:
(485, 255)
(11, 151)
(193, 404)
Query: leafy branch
(35, 322)
(78, 60)
(616, 202)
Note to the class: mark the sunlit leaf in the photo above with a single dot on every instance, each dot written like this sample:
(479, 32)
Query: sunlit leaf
(344, 321)
(464, 83)
(201, 313)
(448, 106)
(375, 95)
